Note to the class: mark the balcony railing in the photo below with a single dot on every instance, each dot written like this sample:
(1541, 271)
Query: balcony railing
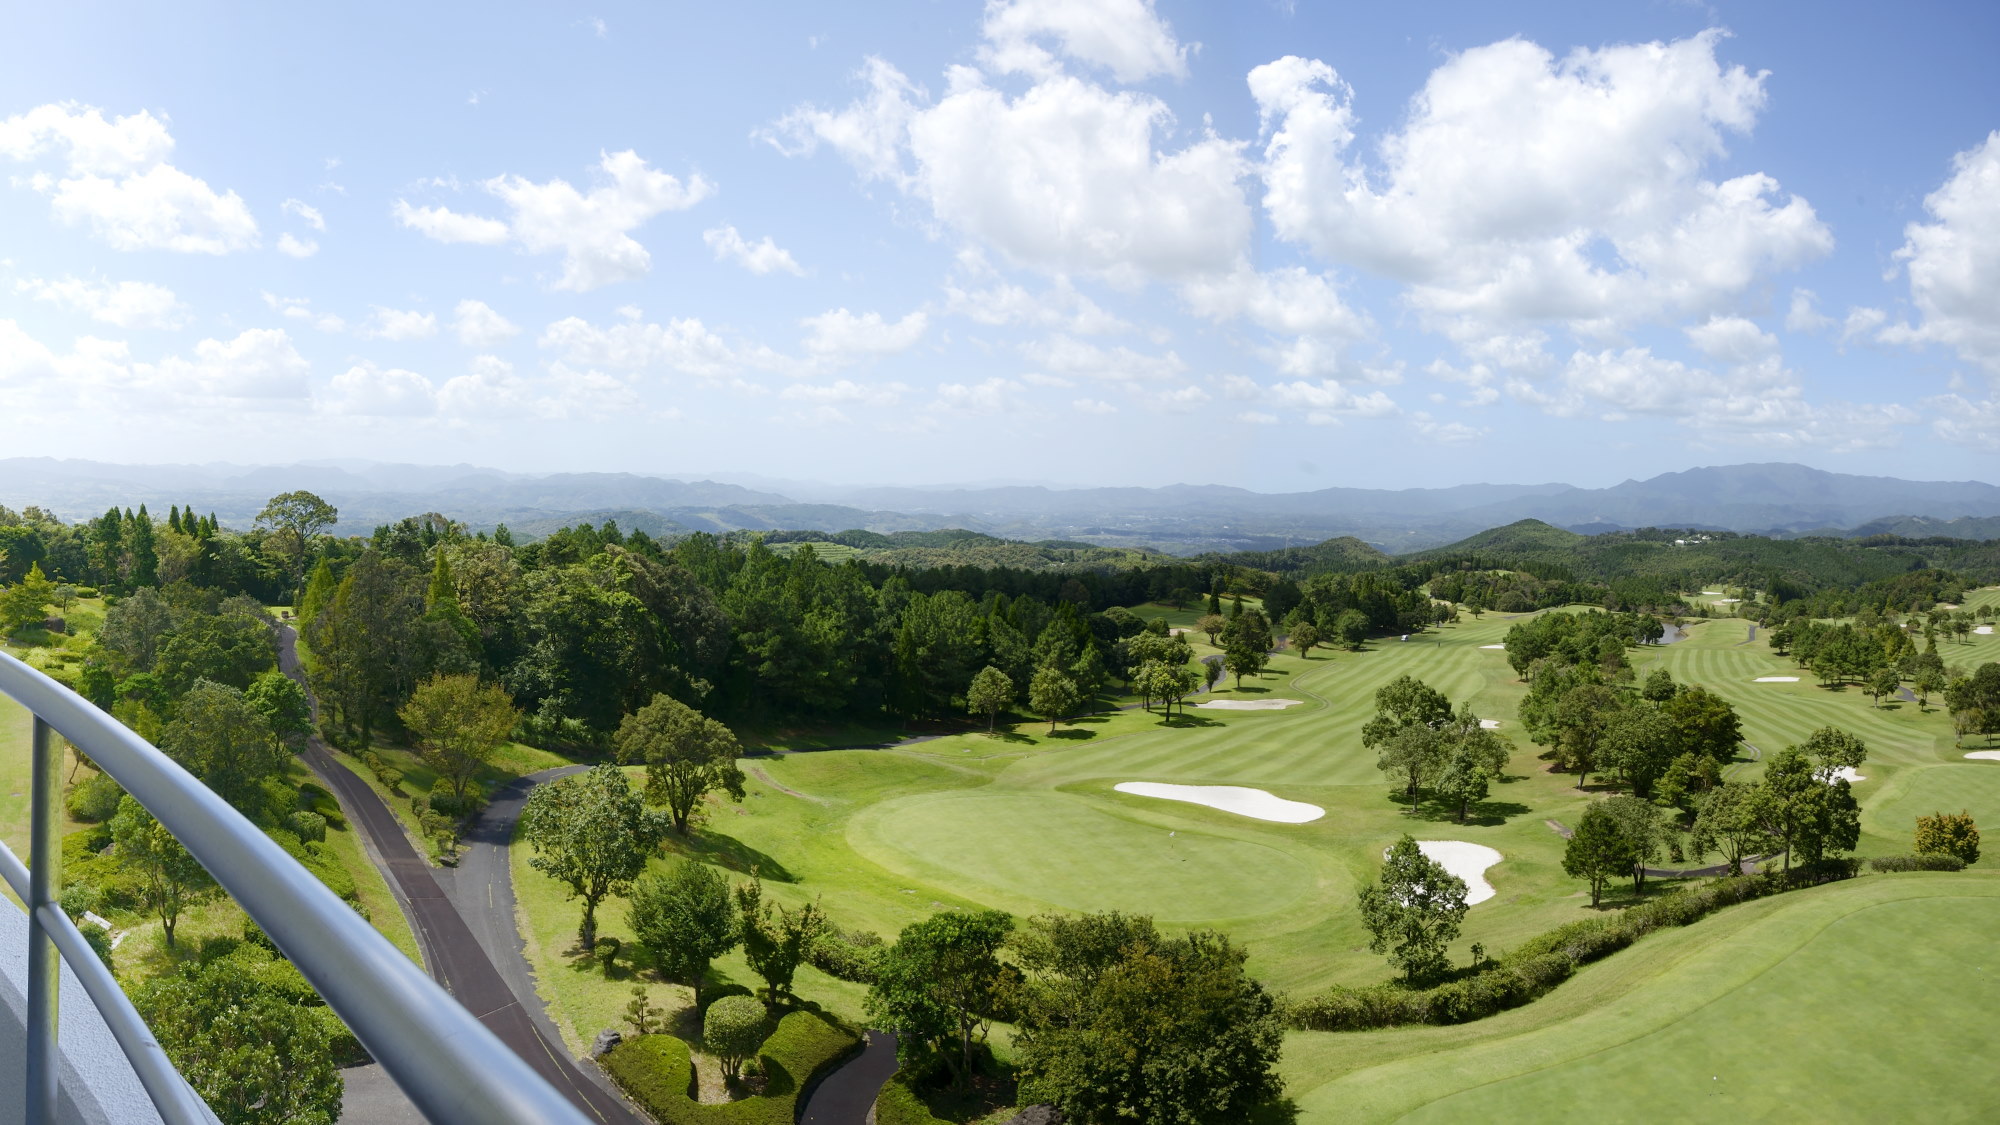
(451, 1067)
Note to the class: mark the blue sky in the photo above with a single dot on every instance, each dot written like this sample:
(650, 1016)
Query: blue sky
(1283, 246)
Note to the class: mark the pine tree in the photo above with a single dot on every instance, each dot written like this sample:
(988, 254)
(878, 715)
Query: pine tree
(145, 557)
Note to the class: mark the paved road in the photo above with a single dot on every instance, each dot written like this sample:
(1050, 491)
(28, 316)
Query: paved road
(847, 1096)
(453, 955)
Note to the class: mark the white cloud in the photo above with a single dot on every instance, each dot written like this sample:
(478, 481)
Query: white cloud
(1180, 400)
(587, 396)
(307, 212)
(1525, 188)
(760, 257)
(1804, 314)
(840, 337)
(1064, 355)
(1861, 323)
(260, 363)
(1126, 37)
(478, 326)
(1959, 421)
(368, 390)
(845, 392)
(117, 181)
(1257, 418)
(679, 345)
(127, 304)
(400, 324)
(1731, 339)
(445, 225)
(1445, 433)
(992, 396)
(1292, 300)
(1092, 406)
(300, 308)
(1067, 177)
(981, 295)
(296, 247)
(1954, 261)
(1326, 401)
(489, 390)
(590, 229)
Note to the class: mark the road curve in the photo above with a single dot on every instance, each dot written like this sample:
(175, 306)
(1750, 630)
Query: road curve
(847, 1096)
(456, 958)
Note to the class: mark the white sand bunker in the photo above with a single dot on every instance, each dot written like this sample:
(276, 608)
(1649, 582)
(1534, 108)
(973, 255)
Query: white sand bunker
(1726, 601)
(1247, 704)
(1490, 724)
(1229, 798)
(1492, 646)
(1848, 773)
(1776, 680)
(1467, 861)
(1711, 593)
(1987, 755)
(1983, 630)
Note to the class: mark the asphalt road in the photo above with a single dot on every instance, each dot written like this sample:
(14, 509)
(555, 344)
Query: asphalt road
(847, 1096)
(453, 955)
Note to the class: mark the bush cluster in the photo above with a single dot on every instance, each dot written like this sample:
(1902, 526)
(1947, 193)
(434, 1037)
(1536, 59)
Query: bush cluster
(1923, 862)
(1526, 973)
(854, 955)
(95, 798)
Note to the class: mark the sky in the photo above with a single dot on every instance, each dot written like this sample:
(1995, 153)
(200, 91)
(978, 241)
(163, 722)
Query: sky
(1280, 245)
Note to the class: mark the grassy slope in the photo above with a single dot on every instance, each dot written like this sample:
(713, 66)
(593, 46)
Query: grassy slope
(1813, 1006)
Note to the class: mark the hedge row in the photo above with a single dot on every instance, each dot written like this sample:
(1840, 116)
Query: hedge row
(1927, 862)
(1528, 972)
(657, 1072)
(897, 1104)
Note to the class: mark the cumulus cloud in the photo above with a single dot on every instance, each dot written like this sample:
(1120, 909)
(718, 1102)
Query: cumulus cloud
(994, 395)
(126, 304)
(845, 392)
(1731, 339)
(1067, 356)
(1067, 177)
(1444, 433)
(400, 324)
(489, 389)
(1959, 420)
(1326, 401)
(760, 257)
(683, 345)
(1126, 37)
(590, 229)
(260, 363)
(1803, 315)
(838, 337)
(477, 326)
(372, 391)
(293, 247)
(981, 295)
(1760, 403)
(1526, 188)
(1092, 406)
(116, 180)
(300, 308)
(306, 212)
(1953, 261)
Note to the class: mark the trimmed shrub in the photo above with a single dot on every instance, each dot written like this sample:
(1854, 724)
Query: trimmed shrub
(732, 1029)
(307, 826)
(1916, 863)
(656, 1072)
(95, 798)
(1948, 834)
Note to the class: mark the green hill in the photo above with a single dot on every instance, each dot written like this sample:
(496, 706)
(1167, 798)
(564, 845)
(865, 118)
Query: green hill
(1333, 556)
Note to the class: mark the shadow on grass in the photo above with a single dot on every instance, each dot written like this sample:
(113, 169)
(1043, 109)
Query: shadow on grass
(1484, 814)
(737, 856)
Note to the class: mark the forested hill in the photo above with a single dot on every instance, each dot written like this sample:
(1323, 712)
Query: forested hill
(1334, 556)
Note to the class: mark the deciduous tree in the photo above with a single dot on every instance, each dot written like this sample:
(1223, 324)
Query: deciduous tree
(938, 988)
(1053, 695)
(686, 920)
(1598, 850)
(170, 879)
(592, 834)
(1948, 834)
(733, 1029)
(687, 755)
(991, 692)
(460, 723)
(254, 1056)
(1413, 912)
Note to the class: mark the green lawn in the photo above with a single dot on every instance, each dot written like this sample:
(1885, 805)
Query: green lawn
(1028, 821)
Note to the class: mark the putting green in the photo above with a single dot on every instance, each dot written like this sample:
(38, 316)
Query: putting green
(1030, 852)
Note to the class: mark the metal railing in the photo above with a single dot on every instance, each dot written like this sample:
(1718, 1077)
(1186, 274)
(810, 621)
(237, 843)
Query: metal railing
(449, 1065)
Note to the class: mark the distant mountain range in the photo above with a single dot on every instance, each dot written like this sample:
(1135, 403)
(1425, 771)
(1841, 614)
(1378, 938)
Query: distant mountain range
(1776, 499)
